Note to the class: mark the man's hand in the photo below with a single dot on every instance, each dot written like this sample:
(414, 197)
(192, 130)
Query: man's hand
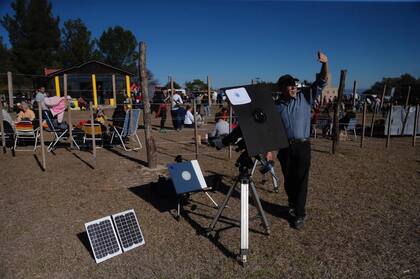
(322, 57)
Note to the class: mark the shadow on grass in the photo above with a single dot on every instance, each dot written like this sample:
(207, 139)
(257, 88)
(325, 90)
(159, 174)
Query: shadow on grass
(83, 237)
(138, 161)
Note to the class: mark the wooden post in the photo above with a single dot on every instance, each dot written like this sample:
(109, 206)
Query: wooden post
(336, 135)
(3, 137)
(10, 90)
(230, 128)
(57, 86)
(208, 91)
(41, 131)
(150, 142)
(406, 110)
(388, 138)
(416, 123)
(372, 125)
(128, 86)
(363, 125)
(131, 117)
(94, 92)
(195, 129)
(172, 91)
(354, 93)
(92, 127)
(114, 90)
(68, 112)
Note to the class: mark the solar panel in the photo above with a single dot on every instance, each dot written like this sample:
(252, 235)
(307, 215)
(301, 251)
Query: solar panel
(103, 239)
(128, 230)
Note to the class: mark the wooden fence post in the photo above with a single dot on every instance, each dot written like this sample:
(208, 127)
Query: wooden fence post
(388, 138)
(10, 90)
(92, 127)
(416, 123)
(195, 128)
(354, 93)
(150, 142)
(172, 91)
(208, 92)
(363, 125)
(336, 134)
(230, 128)
(3, 137)
(41, 131)
(68, 112)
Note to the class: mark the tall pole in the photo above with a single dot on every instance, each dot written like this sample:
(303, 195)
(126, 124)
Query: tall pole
(92, 127)
(195, 129)
(354, 93)
(416, 123)
(406, 110)
(68, 111)
(208, 91)
(150, 142)
(230, 128)
(172, 90)
(10, 90)
(363, 125)
(336, 135)
(388, 138)
(3, 137)
(41, 131)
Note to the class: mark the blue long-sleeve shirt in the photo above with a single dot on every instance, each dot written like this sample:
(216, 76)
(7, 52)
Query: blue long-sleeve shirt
(296, 112)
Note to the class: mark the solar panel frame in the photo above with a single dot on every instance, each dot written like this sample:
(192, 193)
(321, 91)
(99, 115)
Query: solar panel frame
(93, 243)
(121, 237)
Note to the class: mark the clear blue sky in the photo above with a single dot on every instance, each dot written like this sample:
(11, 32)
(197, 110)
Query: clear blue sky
(236, 41)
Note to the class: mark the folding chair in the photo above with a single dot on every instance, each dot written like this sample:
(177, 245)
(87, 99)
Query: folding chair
(24, 131)
(127, 131)
(351, 126)
(89, 132)
(323, 123)
(60, 134)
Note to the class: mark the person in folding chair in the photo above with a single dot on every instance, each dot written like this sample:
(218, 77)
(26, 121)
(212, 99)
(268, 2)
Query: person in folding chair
(127, 128)
(54, 118)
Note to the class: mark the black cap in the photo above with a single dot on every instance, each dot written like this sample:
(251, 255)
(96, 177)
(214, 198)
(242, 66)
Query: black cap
(286, 80)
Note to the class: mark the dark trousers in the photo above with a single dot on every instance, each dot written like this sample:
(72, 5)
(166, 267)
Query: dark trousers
(295, 162)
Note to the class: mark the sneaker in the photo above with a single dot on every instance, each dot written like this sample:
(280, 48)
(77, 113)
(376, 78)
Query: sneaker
(298, 223)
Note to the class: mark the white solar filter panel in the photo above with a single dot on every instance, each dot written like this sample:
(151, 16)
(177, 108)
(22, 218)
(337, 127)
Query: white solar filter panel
(103, 239)
(128, 229)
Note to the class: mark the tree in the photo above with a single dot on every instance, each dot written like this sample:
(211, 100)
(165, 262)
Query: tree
(196, 85)
(118, 48)
(77, 45)
(6, 63)
(176, 85)
(34, 35)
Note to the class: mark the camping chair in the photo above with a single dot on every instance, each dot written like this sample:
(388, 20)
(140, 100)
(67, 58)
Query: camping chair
(89, 133)
(351, 126)
(323, 123)
(60, 134)
(127, 131)
(24, 131)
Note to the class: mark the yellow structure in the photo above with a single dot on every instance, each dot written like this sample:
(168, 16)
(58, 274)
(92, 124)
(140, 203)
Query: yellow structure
(57, 86)
(95, 96)
(127, 84)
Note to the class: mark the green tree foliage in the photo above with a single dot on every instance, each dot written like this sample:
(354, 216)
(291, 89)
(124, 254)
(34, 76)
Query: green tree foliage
(196, 85)
(34, 35)
(5, 58)
(117, 47)
(401, 85)
(77, 44)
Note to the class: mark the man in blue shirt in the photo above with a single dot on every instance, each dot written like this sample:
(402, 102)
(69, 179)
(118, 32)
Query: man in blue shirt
(295, 109)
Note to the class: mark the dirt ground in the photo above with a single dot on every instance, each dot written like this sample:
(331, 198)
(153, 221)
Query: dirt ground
(363, 215)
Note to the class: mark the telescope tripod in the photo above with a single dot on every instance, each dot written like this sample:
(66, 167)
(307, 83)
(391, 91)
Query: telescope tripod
(246, 184)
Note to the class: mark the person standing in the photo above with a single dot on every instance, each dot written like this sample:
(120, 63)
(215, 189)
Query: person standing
(177, 118)
(295, 109)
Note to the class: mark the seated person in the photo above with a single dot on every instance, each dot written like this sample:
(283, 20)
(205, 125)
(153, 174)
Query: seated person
(25, 114)
(189, 118)
(344, 121)
(118, 116)
(100, 118)
(220, 129)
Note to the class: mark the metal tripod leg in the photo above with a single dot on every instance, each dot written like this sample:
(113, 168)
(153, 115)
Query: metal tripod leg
(257, 201)
(223, 205)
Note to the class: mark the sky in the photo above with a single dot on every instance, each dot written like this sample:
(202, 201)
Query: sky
(236, 41)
